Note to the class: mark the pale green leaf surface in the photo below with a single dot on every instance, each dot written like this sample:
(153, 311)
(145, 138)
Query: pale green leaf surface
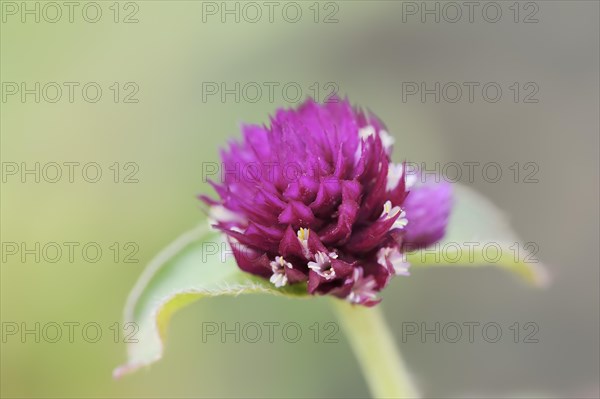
(187, 270)
(476, 230)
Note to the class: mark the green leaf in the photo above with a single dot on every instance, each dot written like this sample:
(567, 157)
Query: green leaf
(195, 266)
(479, 235)
(192, 267)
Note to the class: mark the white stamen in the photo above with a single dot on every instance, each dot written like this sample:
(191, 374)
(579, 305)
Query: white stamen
(218, 213)
(369, 131)
(323, 266)
(279, 278)
(395, 174)
(401, 222)
(387, 257)
(363, 288)
(386, 139)
(390, 212)
(363, 133)
(303, 235)
(366, 132)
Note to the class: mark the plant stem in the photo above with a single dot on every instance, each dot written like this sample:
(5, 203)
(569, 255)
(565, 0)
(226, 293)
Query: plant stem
(375, 350)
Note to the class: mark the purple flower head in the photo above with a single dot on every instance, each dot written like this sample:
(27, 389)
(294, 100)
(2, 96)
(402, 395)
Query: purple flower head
(314, 198)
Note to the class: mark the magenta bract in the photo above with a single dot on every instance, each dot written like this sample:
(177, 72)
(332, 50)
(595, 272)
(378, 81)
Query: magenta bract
(314, 198)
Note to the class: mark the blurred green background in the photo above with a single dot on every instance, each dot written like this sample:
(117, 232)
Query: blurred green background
(171, 131)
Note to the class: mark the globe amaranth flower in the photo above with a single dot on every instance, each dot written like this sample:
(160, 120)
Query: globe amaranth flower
(314, 198)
